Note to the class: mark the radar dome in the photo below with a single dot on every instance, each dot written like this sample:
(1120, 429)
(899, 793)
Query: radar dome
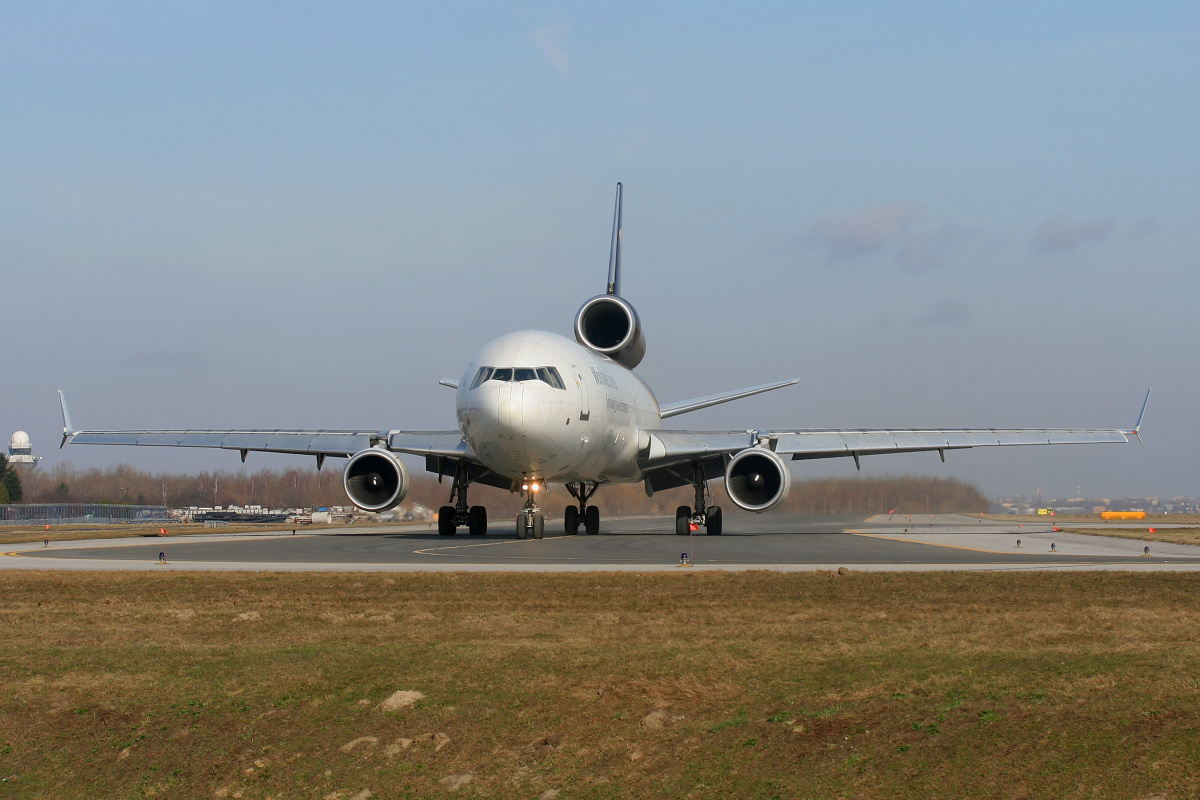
(19, 439)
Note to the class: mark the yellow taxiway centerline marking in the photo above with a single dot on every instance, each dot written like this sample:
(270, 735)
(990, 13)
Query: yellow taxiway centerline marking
(933, 544)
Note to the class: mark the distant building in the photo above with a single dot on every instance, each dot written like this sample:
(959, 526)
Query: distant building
(20, 451)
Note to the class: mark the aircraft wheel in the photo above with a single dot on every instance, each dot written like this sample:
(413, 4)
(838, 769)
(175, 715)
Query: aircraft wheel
(522, 526)
(571, 520)
(591, 520)
(683, 520)
(477, 521)
(447, 521)
(539, 525)
(713, 521)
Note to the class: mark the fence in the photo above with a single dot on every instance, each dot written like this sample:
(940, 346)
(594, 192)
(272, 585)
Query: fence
(82, 514)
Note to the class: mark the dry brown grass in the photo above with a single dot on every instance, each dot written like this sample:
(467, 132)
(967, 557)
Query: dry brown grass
(753, 685)
(1096, 519)
(1172, 535)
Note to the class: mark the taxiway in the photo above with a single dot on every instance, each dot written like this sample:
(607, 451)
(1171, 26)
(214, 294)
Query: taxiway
(779, 542)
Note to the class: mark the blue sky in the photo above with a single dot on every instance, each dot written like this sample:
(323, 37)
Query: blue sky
(935, 214)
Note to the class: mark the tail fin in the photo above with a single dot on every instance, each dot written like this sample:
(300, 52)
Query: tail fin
(614, 252)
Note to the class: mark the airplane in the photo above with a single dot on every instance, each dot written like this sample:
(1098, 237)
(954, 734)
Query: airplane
(535, 408)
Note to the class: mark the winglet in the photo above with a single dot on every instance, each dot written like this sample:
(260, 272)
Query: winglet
(614, 252)
(1138, 428)
(68, 428)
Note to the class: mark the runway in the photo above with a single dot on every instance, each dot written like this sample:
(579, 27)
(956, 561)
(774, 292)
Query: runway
(778, 542)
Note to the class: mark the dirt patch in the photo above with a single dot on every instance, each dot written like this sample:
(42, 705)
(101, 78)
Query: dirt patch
(401, 700)
(369, 741)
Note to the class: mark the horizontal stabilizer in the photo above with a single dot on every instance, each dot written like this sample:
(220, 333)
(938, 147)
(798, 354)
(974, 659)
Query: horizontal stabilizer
(697, 403)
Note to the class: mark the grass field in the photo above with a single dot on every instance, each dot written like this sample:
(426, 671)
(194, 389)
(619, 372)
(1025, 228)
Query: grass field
(742, 685)
(1172, 535)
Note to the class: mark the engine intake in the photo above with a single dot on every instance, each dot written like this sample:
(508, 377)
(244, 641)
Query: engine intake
(608, 325)
(757, 479)
(375, 480)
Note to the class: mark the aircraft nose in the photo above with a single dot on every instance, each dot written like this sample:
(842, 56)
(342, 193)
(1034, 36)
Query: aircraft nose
(517, 410)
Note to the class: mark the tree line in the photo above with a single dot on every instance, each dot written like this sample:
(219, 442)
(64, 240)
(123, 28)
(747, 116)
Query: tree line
(299, 488)
(11, 488)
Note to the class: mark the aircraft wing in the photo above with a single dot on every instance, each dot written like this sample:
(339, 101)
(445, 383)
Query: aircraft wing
(319, 443)
(663, 448)
(670, 458)
(301, 442)
(668, 446)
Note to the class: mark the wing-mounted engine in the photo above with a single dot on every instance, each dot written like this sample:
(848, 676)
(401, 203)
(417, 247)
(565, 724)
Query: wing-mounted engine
(757, 479)
(608, 325)
(375, 480)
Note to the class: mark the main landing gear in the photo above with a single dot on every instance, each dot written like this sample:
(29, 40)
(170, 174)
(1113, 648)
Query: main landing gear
(704, 514)
(451, 516)
(589, 515)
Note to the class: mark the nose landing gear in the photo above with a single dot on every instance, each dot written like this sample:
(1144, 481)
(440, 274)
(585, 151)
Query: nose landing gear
(531, 523)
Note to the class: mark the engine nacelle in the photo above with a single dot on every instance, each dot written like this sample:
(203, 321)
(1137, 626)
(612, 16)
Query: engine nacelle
(757, 479)
(375, 480)
(608, 325)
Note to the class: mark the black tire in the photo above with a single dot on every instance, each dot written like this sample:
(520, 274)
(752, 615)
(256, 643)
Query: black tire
(522, 526)
(477, 521)
(591, 520)
(447, 521)
(539, 525)
(683, 521)
(713, 520)
(571, 521)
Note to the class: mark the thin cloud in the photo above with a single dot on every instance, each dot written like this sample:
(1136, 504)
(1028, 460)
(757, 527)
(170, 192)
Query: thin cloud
(552, 40)
(864, 233)
(927, 249)
(949, 311)
(171, 358)
(1060, 234)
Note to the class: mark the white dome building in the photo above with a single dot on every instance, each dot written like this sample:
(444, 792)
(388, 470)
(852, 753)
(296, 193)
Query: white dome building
(20, 451)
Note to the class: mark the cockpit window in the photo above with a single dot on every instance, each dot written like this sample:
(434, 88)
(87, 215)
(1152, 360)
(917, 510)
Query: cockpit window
(547, 375)
(484, 374)
(550, 375)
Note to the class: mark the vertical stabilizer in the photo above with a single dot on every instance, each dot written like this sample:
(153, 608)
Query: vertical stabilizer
(614, 252)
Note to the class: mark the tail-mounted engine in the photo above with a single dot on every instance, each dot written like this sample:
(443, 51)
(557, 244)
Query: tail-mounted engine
(608, 325)
(757, 479)
(375, 480)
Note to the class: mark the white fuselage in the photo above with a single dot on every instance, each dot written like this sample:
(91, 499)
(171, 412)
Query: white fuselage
(552, 410)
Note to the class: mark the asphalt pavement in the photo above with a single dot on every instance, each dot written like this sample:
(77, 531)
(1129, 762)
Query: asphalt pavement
(780, 542)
